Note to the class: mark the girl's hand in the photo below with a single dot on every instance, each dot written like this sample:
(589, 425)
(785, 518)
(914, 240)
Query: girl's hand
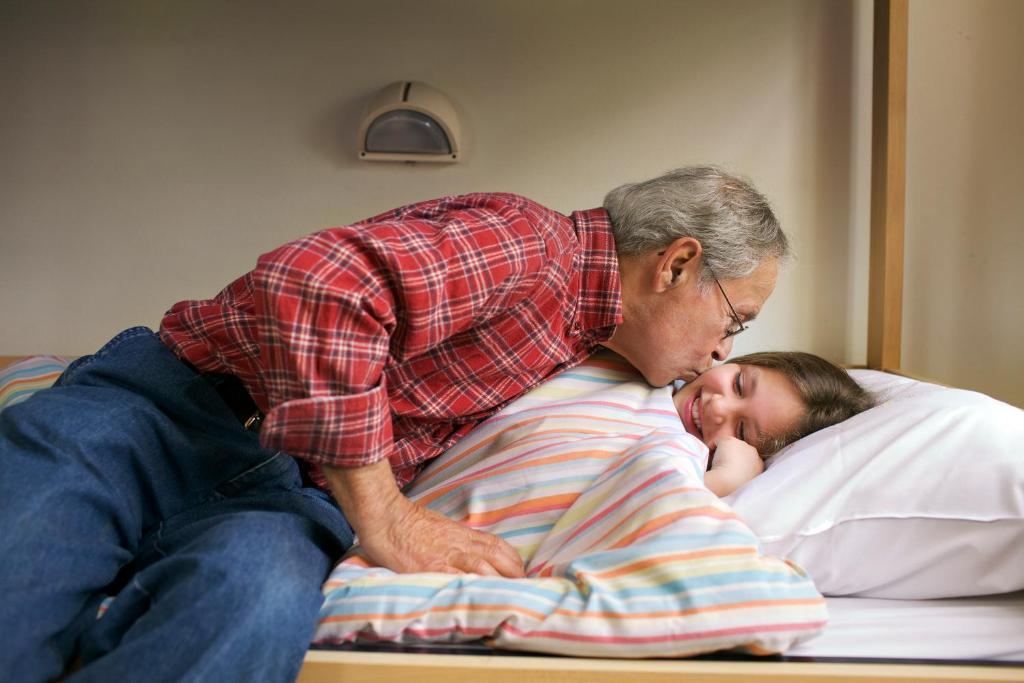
(733, 463)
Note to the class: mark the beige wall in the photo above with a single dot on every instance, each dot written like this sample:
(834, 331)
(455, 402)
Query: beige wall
(152, 150)
(964, 291)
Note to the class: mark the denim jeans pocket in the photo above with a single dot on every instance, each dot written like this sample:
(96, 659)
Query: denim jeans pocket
(279, 471)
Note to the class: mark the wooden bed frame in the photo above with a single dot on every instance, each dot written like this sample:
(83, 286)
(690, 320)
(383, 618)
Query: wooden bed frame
(885, 302)
(325, 666)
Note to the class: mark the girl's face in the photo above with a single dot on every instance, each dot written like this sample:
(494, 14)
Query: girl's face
(748, 402)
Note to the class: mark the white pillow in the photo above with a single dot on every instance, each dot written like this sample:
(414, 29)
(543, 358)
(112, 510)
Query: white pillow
(919, 497)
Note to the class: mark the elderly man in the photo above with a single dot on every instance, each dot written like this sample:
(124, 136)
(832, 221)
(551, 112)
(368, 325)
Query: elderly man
(186, 472)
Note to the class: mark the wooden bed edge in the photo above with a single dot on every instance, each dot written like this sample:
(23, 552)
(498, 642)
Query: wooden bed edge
(322, 666)
(10, 360)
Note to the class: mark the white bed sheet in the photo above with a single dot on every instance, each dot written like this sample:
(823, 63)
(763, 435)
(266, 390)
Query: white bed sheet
(985, 627)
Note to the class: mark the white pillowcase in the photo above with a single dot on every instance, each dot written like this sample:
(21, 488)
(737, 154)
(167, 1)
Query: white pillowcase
(919, 497)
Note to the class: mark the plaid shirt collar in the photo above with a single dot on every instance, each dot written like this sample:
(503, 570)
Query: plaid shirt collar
(600, 303)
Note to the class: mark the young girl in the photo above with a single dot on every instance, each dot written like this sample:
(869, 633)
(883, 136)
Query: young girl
(751, 407)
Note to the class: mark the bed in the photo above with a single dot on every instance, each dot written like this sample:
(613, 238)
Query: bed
(879, 627)
(949, 572)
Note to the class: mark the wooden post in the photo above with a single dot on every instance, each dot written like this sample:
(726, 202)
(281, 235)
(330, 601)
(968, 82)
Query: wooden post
(888, 183)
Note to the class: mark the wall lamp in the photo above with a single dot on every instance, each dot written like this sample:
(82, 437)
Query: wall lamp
(409, 121)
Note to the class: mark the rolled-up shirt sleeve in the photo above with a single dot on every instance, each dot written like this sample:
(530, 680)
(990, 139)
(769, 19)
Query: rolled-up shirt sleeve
(325, 313)
(342, 431)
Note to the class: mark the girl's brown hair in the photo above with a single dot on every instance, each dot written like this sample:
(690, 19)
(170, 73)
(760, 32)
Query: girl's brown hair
(828, 392)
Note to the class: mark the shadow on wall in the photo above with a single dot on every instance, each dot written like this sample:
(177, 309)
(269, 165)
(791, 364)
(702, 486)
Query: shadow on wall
(332, 135)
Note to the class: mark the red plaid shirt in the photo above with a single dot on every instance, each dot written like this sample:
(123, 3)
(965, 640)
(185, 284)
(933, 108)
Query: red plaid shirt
(393, 337)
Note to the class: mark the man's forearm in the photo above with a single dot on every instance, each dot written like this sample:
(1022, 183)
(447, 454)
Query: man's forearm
(366, 494)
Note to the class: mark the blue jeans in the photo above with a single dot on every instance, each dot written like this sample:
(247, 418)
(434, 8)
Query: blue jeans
(132, 477)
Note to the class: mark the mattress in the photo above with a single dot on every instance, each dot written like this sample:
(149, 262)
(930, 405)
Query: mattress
(976, 628)
(986, 629)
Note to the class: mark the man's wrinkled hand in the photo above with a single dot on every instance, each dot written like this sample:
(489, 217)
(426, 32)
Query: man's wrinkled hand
(421, 540)
(403, 536)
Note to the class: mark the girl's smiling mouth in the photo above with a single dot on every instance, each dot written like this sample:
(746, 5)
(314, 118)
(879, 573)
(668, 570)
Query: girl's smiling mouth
(692, 415)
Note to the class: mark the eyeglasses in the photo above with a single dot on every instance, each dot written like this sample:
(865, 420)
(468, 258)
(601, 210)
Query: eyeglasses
(740, 327)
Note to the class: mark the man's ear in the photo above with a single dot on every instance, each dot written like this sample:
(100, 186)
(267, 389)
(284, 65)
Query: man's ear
(678, 264)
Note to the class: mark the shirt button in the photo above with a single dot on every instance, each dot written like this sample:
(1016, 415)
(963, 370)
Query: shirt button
(575, 330)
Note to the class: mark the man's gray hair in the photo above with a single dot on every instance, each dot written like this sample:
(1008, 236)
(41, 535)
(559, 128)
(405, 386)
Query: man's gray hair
(732, 221)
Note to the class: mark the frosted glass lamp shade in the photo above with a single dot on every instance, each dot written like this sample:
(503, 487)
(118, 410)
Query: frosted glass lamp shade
(406, 132)
(409, 121)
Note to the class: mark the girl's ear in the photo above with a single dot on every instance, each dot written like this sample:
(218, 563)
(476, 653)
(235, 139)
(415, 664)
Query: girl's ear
(677, 264)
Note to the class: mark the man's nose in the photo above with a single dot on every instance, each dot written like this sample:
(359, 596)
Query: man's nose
(723, 349)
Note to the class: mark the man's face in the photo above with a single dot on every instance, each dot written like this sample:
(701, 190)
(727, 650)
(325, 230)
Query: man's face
(676, 333)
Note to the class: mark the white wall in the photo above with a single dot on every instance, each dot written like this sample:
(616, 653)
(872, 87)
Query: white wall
(964, 289)
(150, 151)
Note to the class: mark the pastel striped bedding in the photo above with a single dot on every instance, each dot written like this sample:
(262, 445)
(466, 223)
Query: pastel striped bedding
(592, 478)
(22, 378)
(594, 481)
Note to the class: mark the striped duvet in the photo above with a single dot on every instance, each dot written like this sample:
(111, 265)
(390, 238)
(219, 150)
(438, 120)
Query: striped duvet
(20, 380)
(593, 480)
